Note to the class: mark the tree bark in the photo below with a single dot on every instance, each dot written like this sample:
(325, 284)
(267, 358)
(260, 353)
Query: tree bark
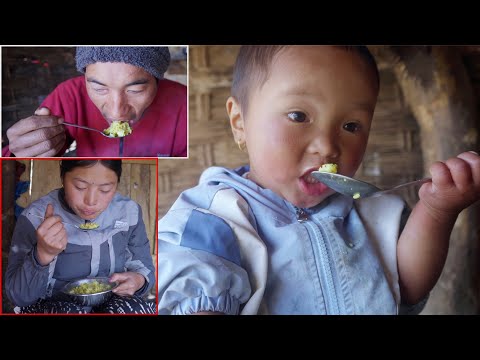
(437, 88)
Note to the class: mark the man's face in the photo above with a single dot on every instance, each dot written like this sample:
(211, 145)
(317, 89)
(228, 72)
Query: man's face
(122, 92)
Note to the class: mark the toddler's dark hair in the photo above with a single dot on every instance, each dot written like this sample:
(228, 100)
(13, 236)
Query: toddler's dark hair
(69, 165)
(253, 63)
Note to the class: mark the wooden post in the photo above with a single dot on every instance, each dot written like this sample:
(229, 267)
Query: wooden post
(8, 203)
(437, 88)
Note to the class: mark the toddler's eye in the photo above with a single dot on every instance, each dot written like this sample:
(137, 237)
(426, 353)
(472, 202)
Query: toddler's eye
(297, 116)
(352, 127)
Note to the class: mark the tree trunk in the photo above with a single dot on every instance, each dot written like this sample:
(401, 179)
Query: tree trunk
(436, 86)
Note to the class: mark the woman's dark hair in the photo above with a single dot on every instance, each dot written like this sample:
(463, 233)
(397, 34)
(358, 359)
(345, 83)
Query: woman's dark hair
(69, 165)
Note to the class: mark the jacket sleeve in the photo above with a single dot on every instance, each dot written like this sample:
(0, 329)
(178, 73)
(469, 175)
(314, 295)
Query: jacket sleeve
(410, 309)
(25, 279)
(139, 258)
(207, 256)
(384, 218)
(6, 151)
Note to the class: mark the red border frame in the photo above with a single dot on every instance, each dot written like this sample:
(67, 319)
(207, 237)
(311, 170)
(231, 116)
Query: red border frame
(155, 233)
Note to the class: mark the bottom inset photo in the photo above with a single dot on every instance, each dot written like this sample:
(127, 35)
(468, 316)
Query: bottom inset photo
(79, 236)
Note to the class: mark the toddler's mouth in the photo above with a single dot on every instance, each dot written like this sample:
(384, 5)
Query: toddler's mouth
(309, 179)
(311, 186)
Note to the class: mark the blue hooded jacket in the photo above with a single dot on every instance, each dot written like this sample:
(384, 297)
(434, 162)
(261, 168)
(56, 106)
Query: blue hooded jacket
(230, 246)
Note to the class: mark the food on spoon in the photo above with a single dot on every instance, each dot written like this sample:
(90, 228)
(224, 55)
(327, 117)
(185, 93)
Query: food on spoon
(90, 288)
(88, 226)
(329, 168)
(356, 195)
(118, 129)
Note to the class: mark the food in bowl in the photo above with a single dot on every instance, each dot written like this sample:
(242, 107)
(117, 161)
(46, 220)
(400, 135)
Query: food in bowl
(80, 291)
(329, 168)
(90, 288)
(88, 226)
(118, 129)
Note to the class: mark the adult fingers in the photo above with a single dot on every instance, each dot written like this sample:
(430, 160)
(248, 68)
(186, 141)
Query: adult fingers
(60, 239)
(56, 229)
(124, 289)
(48, 223)
(46, 148)
(36, 136)
(31, 123)
(120, 277)
(59, 143)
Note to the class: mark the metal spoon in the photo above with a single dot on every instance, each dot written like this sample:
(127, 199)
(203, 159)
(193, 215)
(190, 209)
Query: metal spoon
(356, 188)
(89, 128)
(66, 223)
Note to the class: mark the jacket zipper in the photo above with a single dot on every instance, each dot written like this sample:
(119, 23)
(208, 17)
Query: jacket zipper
(324, 266)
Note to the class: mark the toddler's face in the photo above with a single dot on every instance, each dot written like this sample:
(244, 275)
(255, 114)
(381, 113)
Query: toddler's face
(316, 107)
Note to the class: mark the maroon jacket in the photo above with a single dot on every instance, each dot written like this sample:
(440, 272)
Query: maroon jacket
(161, 132)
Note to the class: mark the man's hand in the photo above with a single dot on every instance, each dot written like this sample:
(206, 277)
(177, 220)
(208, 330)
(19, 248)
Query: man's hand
(51, 237)
(129, 282)
(39, 135)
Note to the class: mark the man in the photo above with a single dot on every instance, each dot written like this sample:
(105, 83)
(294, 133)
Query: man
(120, 84)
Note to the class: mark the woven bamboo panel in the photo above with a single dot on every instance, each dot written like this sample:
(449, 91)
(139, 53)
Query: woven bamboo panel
(393, 154)
(210, 138)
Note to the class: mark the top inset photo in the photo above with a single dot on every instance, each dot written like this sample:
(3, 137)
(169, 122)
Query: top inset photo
(94, 101)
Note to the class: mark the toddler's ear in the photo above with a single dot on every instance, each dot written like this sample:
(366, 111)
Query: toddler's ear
(236, 119)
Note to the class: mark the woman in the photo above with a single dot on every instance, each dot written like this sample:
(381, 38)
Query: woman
(47, 251)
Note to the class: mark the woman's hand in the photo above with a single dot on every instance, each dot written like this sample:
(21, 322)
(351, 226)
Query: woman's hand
(129, 283)
(455, 185)
(51, 237)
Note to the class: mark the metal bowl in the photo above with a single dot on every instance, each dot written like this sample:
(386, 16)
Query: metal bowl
(94, 299)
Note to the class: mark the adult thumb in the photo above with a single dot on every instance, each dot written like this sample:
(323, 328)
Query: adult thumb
(49, 211)
(42, 111)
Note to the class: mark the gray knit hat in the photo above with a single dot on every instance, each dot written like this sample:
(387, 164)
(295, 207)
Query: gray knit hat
(154, 60)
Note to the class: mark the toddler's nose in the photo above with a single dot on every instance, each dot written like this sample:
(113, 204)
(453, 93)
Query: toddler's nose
(325, 145)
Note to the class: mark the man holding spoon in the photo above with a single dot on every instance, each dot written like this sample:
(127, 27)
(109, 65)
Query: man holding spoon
(120, 84)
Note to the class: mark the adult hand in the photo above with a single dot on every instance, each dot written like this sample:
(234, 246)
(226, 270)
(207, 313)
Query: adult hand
(39, 135)
(51, 237)
(129, 283)
(455, 185)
